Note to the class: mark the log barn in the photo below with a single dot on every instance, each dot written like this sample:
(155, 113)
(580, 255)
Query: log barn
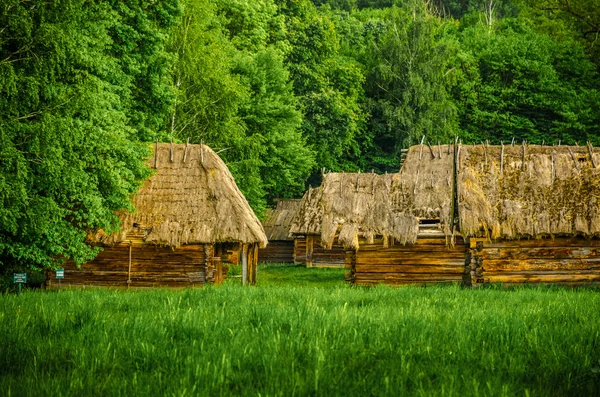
(531, 214)
(482, 214)
(190, 216)
(277, 224)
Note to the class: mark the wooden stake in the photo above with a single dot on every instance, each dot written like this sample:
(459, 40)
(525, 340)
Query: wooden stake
(523, 158)
(513, 142)
(501, 158)
(156, 154)
(357, 180)
(591, 152)
(431, 149)
(421, 151)
(572, 156)
(439, 150)
(171, 156)
(201, 152)
(186, 150)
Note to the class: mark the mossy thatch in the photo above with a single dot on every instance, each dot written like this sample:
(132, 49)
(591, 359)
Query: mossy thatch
(529, 191)
(191, 198)
(349, 206)
(277, 221)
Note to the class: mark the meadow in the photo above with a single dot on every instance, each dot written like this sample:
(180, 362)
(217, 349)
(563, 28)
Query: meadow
(302, 332)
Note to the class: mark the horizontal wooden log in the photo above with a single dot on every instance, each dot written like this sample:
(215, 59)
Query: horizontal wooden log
(407, 277)
(510, 265)
(430, 259)
(536, 252)
(546, 242)
(423, 269)
(542, 278)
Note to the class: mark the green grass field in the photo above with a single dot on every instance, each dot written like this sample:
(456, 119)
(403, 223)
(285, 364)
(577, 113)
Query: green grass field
(301, 332)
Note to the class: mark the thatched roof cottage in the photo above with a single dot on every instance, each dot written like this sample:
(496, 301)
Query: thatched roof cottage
(190, 215)
(277, 224)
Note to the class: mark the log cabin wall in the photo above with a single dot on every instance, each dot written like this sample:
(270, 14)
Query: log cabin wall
(278, 251)
(559, 260)
(151, 266)
(427, 261)
(317, 256)
(300, 250)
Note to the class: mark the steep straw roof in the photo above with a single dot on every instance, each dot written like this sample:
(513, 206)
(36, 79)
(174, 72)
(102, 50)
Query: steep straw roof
(190, 199)
(530, 191)
(277, 221)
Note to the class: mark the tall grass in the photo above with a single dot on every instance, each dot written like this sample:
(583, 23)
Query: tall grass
(285, 339)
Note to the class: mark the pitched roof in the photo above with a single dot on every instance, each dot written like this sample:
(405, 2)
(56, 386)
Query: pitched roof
(277, 221)
(191, 198)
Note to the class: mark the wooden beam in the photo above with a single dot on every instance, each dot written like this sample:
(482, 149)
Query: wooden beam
(421, 151)
(430, 149)
(591, 152)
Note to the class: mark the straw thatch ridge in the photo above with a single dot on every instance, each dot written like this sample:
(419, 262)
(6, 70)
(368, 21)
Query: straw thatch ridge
(277, 221)
(531, 191)
(191, 201)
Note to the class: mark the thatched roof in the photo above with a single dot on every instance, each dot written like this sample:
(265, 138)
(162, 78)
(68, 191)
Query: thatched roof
(353, 204)
(190, 199)
(536, 191)
(540, 191)
(277, 221)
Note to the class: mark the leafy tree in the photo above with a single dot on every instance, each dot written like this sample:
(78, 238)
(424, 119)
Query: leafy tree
(70, 114)
(525, 85)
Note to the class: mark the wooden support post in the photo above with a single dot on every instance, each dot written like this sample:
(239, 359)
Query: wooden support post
(250, 263)
(309, 250)
(523, 158)
(129, 268)
(430, 149)
(244, 264)
(513, 142)
(357, 180)
(439, 150)
(421, 151)
(156, 154)
(501, 158)
(171, 151)
(255, 268)
(186, 150)
(591, 152)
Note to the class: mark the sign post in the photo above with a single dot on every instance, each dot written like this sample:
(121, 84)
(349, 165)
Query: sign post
(60, 274)
(20, 278)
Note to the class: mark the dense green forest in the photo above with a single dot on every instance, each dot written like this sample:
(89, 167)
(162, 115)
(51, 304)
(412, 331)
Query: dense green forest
(280, 89)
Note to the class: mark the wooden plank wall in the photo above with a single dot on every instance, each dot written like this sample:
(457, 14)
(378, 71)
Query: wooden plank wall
(281, 251)
(151, 266)
(558, 260)
(317, 256)
(300, 250)
(427, 261)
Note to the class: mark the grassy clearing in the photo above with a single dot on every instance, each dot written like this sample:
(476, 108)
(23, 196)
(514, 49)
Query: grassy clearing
(287, 339)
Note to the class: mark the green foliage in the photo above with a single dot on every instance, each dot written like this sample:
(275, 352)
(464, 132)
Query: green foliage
(302, 339)
(70, 114)
(523, 84)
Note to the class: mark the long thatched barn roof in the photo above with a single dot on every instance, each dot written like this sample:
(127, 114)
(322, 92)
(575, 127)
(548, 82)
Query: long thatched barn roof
(191, 198)
(278, 220)
(509, 192)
